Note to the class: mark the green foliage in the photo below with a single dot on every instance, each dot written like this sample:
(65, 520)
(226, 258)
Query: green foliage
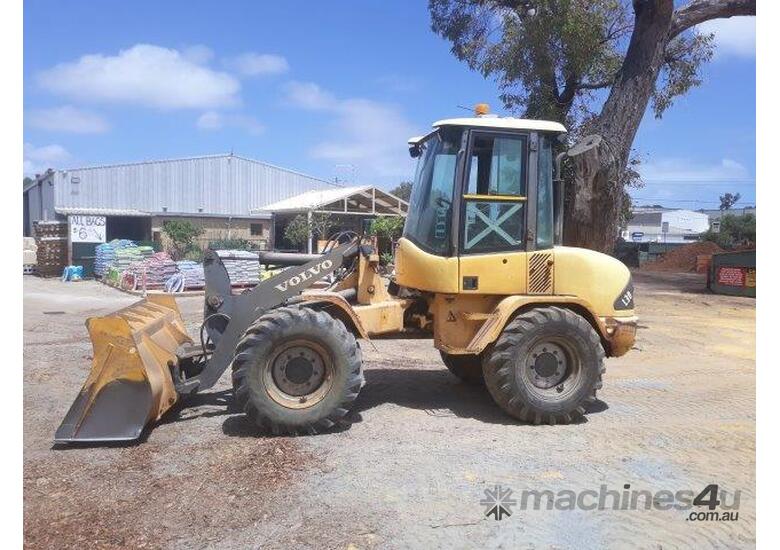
(195, 254)
(734, 231)
(297, 231)
(403, 190)
(321, 224)
(182, 234)
(386, 258)
(230, 244)
(685, 55)
(545, 64)
(387, 227)
(728, 200)
(550, 65)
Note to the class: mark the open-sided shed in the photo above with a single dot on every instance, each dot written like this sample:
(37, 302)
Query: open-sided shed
(349, 206)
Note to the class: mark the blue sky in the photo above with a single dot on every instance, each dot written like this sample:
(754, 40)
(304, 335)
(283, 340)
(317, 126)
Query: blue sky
(332, 89)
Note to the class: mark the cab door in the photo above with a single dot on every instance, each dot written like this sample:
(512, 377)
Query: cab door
(495, 204)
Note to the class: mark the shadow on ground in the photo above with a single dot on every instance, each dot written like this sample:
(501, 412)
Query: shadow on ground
(436, 392)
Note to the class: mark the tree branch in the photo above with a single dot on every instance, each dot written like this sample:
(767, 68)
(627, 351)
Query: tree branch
(595, 85)
(699, 11)
(569, 91)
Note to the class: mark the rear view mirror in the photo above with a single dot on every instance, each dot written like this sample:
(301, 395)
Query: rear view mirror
(415, 151)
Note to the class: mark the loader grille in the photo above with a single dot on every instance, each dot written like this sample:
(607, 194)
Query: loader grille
(540, 273)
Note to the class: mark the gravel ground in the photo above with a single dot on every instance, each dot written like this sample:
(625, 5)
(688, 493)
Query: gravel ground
(677, 413)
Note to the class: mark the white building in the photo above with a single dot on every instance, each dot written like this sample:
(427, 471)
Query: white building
(662, 225)
(716, 215)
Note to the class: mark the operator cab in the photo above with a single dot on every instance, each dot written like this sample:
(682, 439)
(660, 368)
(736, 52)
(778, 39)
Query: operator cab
(484, 184)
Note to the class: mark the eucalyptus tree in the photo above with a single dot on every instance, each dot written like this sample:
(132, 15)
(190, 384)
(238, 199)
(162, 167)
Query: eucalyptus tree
(594, 65)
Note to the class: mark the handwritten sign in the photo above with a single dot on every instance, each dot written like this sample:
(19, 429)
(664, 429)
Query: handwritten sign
(87, 229)
(731, 276)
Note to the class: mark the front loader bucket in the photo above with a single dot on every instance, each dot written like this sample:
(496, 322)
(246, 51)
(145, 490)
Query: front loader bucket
(130, 383)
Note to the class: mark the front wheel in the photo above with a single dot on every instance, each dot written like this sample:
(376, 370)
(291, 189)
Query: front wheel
(297, 371)
(546, 366)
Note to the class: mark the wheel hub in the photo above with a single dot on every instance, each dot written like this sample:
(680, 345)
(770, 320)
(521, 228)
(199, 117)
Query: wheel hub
(298, 371)
(547, 364)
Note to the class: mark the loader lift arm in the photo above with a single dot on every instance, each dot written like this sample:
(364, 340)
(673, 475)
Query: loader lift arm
(227, 316)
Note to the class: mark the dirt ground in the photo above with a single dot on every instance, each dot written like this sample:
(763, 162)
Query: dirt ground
(677, 413)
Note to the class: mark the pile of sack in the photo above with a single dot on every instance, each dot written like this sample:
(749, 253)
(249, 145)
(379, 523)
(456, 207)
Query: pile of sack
(243, 267)
(192, 274)
(155, 269)
(106, 255)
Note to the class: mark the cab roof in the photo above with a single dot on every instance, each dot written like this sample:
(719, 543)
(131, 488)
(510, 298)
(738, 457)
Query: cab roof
(506, 123)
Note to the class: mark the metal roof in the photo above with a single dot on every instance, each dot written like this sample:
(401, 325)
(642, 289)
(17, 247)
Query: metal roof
(215, 185)
(100, 212)
(350, 196)
(197, 157)
(646, 218)
(508, 123)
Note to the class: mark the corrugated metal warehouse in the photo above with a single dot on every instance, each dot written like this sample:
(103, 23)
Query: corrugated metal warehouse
(218, 191)
(227, 195)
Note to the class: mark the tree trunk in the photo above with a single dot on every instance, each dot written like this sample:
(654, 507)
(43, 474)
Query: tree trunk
(594, 201)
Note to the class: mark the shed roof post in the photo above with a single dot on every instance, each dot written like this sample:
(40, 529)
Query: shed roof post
(308, 225)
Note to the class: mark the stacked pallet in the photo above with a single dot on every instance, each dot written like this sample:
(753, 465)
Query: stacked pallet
(52, 241)
(243, 267)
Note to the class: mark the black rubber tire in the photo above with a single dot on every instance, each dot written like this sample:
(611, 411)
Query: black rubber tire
(512, 389)
(468, 368)
(256, 347)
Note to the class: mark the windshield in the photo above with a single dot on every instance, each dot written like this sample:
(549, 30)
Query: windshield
(430, 207)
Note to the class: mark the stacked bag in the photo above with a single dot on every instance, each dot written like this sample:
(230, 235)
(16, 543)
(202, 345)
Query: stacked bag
(192, 273)
(156, 268)
(126, 257)
(243, 267)
(105, 255)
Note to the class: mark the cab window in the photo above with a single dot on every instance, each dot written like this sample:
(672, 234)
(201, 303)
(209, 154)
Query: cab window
(428, 223)
(494, 202)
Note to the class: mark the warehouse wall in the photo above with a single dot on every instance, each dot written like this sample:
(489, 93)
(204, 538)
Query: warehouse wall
(220, 228)
(226, 185)
(40, 202)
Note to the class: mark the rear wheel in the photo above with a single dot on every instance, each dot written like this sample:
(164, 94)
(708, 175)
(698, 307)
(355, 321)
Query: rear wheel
(297, 371)
(546, 366)
(466, 367)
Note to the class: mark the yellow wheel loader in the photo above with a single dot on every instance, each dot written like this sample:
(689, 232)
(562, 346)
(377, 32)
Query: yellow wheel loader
(479, 269)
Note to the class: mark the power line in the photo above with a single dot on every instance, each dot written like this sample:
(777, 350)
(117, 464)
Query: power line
(700, 182)
(693, 201)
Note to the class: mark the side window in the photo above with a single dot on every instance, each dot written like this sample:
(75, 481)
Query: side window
(544, 198)
(494, 217)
